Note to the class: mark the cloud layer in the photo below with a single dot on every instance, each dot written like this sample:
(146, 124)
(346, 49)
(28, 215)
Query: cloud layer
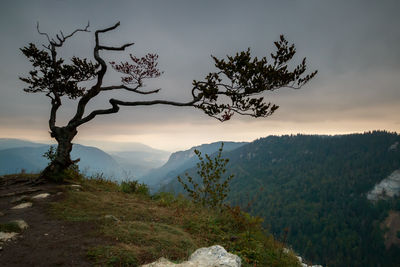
(354, 45)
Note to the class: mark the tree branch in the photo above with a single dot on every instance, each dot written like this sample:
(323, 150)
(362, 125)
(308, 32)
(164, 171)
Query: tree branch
(61, 38)
(96, 89)
(55, 104)
(108, 29)
(115, 103)
(42, 33)
(121, 48)
(122, 86)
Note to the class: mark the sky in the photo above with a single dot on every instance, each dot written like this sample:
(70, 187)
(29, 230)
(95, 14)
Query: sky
(354, 45)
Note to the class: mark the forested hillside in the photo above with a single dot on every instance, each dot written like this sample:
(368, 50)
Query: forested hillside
(182, 160)
(316, 187)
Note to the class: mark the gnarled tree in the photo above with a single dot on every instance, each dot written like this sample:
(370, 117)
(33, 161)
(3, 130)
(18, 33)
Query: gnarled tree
(236, 86)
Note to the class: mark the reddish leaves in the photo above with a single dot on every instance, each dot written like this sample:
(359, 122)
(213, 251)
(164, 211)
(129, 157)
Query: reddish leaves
(142, 68)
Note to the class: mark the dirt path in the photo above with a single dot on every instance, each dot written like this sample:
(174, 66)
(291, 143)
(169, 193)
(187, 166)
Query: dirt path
(47, 241)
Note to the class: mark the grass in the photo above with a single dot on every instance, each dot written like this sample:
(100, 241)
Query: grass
(150, 227)
(10, 227)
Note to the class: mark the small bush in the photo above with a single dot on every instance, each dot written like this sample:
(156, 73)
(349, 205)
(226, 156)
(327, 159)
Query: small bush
(134, 187)
(99, 181)
(213, 190)
(72, 173)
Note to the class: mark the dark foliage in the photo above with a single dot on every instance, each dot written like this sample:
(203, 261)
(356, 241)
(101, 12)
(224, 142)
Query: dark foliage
(235, 88)
(316, 187)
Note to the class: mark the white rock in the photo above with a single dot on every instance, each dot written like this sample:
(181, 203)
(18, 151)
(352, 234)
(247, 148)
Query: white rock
(215, 256)
(388, 187)
(22, 206)
(7, 236)
(161, 262)
(40, 196)
(21, 224)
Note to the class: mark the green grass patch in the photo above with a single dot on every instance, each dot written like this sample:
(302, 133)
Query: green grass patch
(10, 227)
(113, 256)
(165, 226)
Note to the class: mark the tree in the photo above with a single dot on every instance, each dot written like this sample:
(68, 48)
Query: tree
(234, 88)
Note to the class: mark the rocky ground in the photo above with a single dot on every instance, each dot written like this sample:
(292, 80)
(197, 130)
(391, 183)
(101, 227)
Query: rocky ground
(42, 239)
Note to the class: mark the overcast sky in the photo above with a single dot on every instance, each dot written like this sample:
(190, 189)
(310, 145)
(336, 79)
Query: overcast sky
(353, 44)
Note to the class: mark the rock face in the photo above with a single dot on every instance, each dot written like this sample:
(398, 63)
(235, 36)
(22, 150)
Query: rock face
(215, 256)
(388, 187)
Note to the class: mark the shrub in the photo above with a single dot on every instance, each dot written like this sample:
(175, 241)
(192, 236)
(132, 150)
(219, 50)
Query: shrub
(213, 190)
(134, 187)
(72, 173)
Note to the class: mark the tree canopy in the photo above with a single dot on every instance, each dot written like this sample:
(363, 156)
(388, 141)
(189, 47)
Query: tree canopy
(237, 85)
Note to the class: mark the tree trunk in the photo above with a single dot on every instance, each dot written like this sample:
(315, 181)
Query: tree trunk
(62, 161)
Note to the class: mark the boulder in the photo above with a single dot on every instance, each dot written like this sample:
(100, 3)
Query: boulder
(215, 256)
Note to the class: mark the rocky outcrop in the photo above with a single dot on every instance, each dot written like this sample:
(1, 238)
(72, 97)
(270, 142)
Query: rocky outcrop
(22, 206)
(393, 146)
(215, 256)
(7, 236)
(41, 196)
(388, 187)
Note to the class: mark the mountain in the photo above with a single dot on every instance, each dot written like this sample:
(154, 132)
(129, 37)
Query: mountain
(137, 163)
(30, 159)
(6, 143)
(95, 161)
(124, 161)
(182, 160)
(317, 188)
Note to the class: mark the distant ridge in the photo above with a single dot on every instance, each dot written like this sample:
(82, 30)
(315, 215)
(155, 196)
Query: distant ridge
(17, 155)
(6, 143)
(182, 160)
